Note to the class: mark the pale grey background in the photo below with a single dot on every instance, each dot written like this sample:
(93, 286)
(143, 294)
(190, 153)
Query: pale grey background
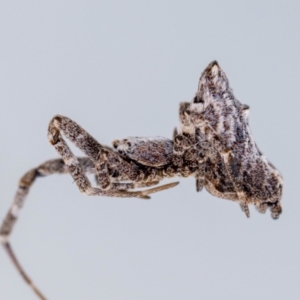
(119, 69)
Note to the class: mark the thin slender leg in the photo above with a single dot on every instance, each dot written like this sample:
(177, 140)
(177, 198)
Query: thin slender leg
(55, 166)
(133, 185)
(16, 263)
(200, 177)
(96, 152)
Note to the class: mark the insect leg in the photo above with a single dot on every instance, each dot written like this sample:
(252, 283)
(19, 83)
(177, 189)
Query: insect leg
(55, 166)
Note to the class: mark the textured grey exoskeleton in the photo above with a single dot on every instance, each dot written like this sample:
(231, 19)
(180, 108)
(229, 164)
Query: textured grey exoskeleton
(223, 120)
(212, 143)
(214, 131)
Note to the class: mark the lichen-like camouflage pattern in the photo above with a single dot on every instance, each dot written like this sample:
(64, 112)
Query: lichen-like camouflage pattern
(212, 143)
(223, 120)
(148, 151)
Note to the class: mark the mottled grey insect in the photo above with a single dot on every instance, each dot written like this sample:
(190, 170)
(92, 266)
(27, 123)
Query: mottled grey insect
(212, 143)
(223, 121)
(214, 136)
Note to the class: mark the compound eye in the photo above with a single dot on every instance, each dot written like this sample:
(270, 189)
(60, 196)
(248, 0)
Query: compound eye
(198, 99)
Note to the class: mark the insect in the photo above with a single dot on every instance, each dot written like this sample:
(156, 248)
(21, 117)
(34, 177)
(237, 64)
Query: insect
(214, 135)
(212, 143)
(223, 120)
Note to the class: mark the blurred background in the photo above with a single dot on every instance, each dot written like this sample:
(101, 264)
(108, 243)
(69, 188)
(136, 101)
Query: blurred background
(121, 69)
